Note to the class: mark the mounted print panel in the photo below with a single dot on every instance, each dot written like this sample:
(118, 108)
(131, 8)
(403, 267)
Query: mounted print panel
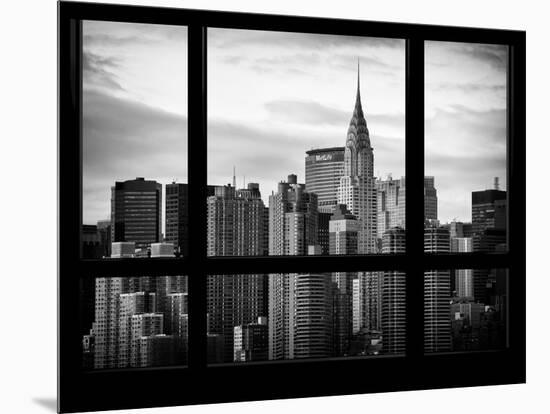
(134, 139)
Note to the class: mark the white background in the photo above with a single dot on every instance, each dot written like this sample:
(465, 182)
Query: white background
(28, 206)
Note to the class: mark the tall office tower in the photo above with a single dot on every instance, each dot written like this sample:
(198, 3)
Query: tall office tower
(437, 294)
(459, 229)
(390, 205)
(464, 278)
(136, 212)
(300, 318)
(293, 219)
(235, 228)
(394, 285)
(489, 232)
(324, 168)
(430, 199)
(343, 229)
(488, 210)
(357, 188)
(250, 341)
(177, 217)
(131, 304)
(323, 232)
(104, 229)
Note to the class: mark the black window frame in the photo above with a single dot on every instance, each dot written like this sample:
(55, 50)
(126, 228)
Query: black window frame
(80, 390)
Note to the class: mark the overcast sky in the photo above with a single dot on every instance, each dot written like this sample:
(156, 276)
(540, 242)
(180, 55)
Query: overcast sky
(271, 97)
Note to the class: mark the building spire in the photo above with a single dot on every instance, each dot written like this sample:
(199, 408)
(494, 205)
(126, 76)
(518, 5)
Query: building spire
(234, 178)
(358, 83)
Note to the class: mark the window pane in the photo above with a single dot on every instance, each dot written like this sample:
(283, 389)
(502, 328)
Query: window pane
(466, 131)
(299, 315)
(307, 130)
(465, 310)
(134, 322)
(134, 139)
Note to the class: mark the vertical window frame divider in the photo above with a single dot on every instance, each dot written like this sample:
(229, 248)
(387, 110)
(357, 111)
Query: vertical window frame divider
(197, 181)
(414, 196)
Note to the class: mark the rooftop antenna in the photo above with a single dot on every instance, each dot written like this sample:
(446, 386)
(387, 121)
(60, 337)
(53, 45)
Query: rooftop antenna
(234, 179)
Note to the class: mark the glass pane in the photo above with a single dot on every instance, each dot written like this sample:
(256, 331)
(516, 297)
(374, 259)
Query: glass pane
(134, 322)
(134, 138)
(466, 131)
(465, 310)
(305, 315)
(307, 130)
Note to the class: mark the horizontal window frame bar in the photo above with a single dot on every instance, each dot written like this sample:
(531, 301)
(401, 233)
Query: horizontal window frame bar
(157, 267)
(299, 24)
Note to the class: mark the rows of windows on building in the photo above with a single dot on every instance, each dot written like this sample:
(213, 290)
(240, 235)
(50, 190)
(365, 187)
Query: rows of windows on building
(341, 209)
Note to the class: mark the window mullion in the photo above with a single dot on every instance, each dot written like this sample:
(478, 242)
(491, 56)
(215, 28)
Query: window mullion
(197, 178)
(414, 168)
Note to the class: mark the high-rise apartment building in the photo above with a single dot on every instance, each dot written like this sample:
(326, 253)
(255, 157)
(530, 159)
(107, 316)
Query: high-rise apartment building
(293, 219)
(391, 203)
(324, 168)
(136, 212)
(394, 286)
(235, 227)
(437, 294)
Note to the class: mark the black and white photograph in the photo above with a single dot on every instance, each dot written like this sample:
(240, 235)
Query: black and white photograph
(306, 156)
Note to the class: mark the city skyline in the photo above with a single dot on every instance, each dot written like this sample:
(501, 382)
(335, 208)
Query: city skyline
(130, 97)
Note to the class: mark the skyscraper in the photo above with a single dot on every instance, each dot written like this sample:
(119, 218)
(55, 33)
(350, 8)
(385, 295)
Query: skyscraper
(136, 212)
(292, 219)
(394, 285)
(250, 341)
(343, 229)
(177, 215)
(489, 232)
(324, 168)
(464, 279)
(235, 228)
(437, 294)
(391, 203)
(357, 188)
(295, 330)
(430, 199)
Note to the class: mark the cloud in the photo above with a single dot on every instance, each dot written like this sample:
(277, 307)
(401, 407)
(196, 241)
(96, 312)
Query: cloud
(123, 139)
(465, 149)
(310, 112)
(97, 71)
(232, 38)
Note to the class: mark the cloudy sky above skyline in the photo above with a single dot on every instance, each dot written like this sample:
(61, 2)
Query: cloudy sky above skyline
(273, 96)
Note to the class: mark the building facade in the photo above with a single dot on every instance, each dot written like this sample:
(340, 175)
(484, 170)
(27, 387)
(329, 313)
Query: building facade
(136, 212)
(324, 168)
